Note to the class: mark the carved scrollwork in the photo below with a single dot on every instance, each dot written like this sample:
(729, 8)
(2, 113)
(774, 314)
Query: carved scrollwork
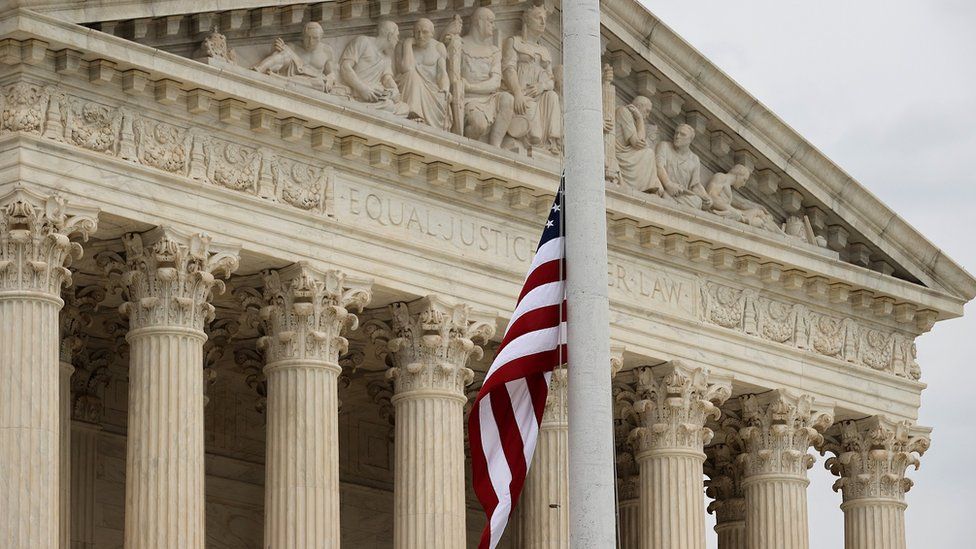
(872, 456)
(24, 108)
(93, 126)
(778, 429)
(232, 166)
(302, 185)
(675, 403)
(428, 343)
(162, 146)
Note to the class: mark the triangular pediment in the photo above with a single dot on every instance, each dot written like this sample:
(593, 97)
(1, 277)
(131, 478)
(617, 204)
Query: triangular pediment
(800, 196)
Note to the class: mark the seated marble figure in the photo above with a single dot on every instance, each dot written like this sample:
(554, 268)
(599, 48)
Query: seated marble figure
(422, 76)
(310, 64)
(634, 149)
(679, 170)
(366, 72)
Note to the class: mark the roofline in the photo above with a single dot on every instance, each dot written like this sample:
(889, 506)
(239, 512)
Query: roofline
(785, 148)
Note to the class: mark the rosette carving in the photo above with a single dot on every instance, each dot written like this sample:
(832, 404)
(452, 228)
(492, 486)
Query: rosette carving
(35, 241)
(428, 343)
(169, 277)
(778, 429)
(306, 311)
(872, 456)
(675, 402)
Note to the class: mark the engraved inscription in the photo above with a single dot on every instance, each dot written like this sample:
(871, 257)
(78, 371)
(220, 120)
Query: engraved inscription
(653, 288)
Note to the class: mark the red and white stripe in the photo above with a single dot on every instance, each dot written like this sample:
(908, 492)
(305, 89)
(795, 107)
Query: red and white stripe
(504, 422)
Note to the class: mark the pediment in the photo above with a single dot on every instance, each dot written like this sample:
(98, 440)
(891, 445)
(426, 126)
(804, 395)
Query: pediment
(802, 200)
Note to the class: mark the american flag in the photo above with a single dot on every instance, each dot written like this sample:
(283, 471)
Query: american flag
(504, 422)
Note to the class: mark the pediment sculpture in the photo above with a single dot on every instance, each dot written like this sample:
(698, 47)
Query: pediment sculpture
(506, 96)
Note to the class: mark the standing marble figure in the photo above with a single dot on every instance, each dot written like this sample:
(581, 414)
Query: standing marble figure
(488, 110)
(422, 76)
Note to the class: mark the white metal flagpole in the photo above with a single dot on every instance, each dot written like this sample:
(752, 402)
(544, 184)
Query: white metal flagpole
(592, 502)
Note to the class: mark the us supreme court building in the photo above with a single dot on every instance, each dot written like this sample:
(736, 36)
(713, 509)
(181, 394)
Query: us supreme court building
(256, 257)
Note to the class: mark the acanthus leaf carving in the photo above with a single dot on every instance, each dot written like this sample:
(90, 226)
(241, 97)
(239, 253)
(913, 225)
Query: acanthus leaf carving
(35, 240)
(428, 343)
(676, 401)
(778, 427)
(92, 374)
(169, 277)
(872, 456)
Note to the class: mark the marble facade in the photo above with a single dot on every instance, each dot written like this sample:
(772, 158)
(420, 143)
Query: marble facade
(254, 261)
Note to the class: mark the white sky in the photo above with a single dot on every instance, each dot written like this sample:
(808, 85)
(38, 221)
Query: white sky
(887, 89)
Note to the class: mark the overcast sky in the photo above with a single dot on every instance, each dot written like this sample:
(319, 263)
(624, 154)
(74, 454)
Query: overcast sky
(887, 89)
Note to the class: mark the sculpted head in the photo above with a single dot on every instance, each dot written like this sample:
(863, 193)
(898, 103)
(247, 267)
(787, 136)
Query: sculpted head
(683, 136)
(388, 34)
(483, 23)
(423, 32)
(741, 174)
(643, 105)
(534, 19)
(311, 35)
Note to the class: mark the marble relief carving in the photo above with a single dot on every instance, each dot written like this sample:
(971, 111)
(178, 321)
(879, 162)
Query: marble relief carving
(793, 324)
(422, 76)
(366, 68)
(311, 63)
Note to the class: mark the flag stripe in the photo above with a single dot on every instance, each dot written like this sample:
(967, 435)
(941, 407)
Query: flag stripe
(504, 423)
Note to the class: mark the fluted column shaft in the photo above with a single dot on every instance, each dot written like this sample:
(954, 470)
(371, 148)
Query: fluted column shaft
(428, 490)
(672, 511)
(84, 463)
(64, 457)
(731, 535)
(165, 455)
(776, 512)
(302, 483)
(544, 504)
(35, 250)
(429, 342)
(629, 524)
(29, 417)
(874, 524)
(677, 401)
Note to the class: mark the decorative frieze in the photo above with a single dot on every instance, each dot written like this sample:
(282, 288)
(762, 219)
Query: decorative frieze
(844, 338)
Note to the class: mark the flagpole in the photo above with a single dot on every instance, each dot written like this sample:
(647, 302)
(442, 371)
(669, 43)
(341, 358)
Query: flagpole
(592, 502)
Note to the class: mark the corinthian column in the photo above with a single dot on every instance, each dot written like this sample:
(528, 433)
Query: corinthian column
(779, 428)
(34, 253)
(676, 402)
(544, 509)
(430, 342)
(169, 277)
(872, 456)
(724, 485)
(75, 317)
(304, 315)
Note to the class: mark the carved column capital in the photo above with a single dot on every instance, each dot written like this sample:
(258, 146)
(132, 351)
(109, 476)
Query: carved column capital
(724, 484)
(778, 429)
(428, 343)
(35, 241)
(88, 383)
(305, 312)
(676, 401)
(872, 456)
(169, 277)
(76, 315)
